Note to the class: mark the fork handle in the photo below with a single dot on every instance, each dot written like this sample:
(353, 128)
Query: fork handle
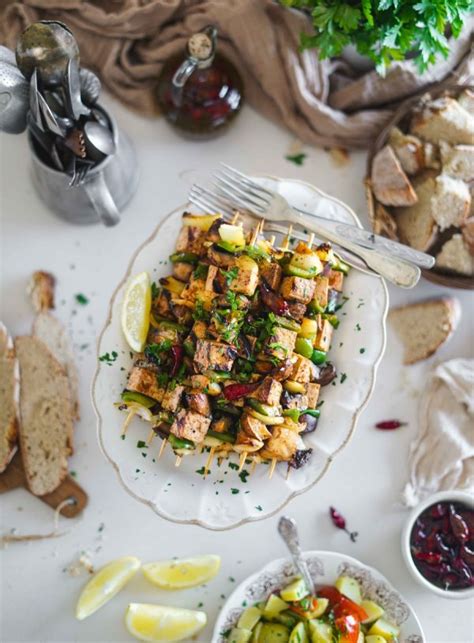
(396, 271)
(374, 241)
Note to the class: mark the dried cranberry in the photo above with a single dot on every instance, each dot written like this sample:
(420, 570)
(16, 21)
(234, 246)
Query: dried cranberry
(429, 557)
(467, 555)
(449, 580)
(458, 525)
(438, 511)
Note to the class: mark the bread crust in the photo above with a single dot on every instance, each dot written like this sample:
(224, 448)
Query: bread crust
(390, 184)
(11, 430)
(60, 400)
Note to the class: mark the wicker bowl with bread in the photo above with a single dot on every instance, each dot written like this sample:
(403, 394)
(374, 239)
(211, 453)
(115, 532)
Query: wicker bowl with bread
(420, 181)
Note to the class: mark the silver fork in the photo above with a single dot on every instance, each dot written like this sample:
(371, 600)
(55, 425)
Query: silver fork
(351, 232)
(249, 195)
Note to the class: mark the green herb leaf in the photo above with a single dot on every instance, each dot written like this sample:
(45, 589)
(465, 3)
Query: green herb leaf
(297, 159)
(81, 299)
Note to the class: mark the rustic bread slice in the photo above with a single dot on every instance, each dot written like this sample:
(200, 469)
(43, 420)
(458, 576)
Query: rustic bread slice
(390, 184)
(41, 290)
(384, 223)
(45, 416)
(455, 256)
(458, 161)
(444, 120)
(51, 331)
(416, 226)
(468, 234)
(451, 202)
(423, 327)
(466, 100)
(409, 150)
(9, 399)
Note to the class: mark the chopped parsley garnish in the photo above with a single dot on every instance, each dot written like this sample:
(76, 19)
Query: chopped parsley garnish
(256, 253)
(199, 312)
(81, 299)
(243, 475)
(297, 159)
(361, 350)
(232, 465)
(142, 445)
(259, 508)
(200, 272)
(153, 352)
(109, 358)
(234, 491)
(343, 377)
(154, 290)
(230, 274)
(357, 327)
(201, 471)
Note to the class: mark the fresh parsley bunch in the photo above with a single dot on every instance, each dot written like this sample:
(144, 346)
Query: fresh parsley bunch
(384, 30)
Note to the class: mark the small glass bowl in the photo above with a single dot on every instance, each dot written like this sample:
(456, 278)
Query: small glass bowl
(442, 496)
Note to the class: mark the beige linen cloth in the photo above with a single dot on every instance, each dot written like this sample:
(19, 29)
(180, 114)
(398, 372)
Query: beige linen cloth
(322, 102)
(442, 455)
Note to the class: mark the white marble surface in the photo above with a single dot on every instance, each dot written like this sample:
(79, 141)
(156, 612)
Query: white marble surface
(37, 596)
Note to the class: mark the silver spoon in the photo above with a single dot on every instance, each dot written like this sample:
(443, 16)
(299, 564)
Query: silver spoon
(99, 140)
(74, 105)
(289, 532)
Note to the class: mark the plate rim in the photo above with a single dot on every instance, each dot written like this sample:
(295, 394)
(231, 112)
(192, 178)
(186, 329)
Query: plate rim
(108, 320)
(317, 553)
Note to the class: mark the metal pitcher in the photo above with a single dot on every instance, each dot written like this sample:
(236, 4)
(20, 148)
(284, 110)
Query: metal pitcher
(105, 191)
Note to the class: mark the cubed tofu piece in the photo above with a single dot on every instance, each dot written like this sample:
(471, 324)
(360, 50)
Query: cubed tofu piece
(246, 279)
(194, 289)
(269, 392)
(271, 273)
(336, 279)
(313, 395)
(282, 343)
(298, 288)
(198, 401)
(282, 445)
(214, 356)
(172, 397)
(190, 239)
(190, 425)
(321, 292)
(246, 443)
(302, 370)
(199, 330)
(253, 427)
(162, 305)
(182, 270)
(211, 275)
(158, 335)
(324, 336)
(141, 380)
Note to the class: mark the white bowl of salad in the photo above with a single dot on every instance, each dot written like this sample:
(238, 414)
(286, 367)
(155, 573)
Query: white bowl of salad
(353, 603)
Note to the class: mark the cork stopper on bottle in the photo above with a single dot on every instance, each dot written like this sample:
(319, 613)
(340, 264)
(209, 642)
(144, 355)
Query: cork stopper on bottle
(200, 46)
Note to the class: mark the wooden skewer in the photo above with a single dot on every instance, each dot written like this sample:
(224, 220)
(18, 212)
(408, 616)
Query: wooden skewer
(128, 419)
(243, 457)
(150, 437)
(311, 240)
(162, 447)
(272, 468)
(209, 461)
(288, 471)
(286, 240)
(235, 218)
(178, 460)
(254, 464)
(272, 240)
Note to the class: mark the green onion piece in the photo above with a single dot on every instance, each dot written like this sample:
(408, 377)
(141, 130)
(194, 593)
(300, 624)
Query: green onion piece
(304, 347)
(184, 257)
(294, 271)
(289, 324)
(340, 266)
(229, 247)
(264, 409)
(138, 398)
(313, 412)
(180, 443)
(228, 408)
(332, 319)
(294, 414)
(318, 357)
(218, 376)
(224, 437)
(165, 324)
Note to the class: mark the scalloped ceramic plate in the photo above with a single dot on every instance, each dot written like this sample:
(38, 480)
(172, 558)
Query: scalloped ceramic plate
(324, 567)
(226, 499)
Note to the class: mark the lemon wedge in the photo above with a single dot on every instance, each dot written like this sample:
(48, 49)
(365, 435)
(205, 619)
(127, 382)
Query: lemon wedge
(105, 585)
(159, 623)
(183, 573)
(136, 311)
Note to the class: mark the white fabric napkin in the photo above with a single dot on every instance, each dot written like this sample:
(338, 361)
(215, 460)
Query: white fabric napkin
(442, 455)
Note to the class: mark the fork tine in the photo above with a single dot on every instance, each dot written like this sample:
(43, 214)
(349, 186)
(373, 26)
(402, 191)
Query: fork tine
(242, 192)
(243, 203)
(208, 205)
(247, 186)
(247, 179)
(216, 202)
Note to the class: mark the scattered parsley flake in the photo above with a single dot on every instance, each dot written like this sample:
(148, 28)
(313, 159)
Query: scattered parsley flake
(154, 290)
(81, 299)
(361, 350)
(259, 508)
(358, 327)
(109, 358)
(73, 474)
(343, 377)
(234, 491)
(233, 465)
(297, 159)
(142, 445)
(201, 471)
(243, 475)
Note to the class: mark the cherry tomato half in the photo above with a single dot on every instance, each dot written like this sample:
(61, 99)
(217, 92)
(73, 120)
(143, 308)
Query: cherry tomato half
(349, 627)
